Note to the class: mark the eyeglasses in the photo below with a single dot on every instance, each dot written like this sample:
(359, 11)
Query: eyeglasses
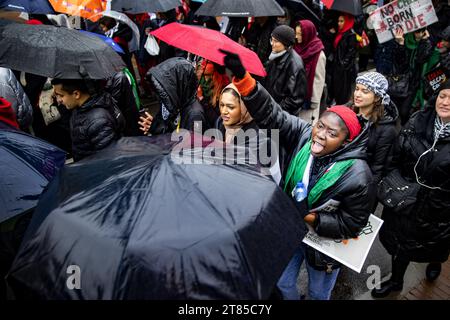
(273, 40)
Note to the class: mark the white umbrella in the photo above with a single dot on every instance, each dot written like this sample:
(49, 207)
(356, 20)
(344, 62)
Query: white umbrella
(118, 16)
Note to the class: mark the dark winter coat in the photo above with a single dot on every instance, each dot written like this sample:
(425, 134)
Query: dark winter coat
(92, 126)
(176, 83)
(402, 62)
(423, 233)
(355, 189)
(343, 71)
(122, 95)
(264, 151)
(286, 81)
(382, 137)
(258, 38)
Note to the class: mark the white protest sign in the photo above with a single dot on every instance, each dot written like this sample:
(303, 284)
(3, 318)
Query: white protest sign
(352, 252)
(409, 15)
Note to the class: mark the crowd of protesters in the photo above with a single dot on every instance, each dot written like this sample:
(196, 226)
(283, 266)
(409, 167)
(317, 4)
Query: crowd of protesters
(343, 129)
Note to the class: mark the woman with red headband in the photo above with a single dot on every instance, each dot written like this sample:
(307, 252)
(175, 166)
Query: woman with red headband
(329, 161)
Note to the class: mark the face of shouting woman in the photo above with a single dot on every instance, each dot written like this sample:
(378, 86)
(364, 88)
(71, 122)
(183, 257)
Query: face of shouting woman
(328, 135)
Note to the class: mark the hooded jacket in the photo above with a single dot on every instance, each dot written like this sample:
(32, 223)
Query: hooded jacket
(92, 126)
(381, 141)
(286, 81)
(355, 190)
(122, 95)
(421, 234)
(12, 90)
(176, 83)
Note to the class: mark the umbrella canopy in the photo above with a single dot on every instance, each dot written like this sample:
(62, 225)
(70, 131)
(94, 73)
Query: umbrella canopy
(56, 52)
(239, 8)
(206, 43)
(141, 225)
(26, 166)
(107, 40)
(118, 16)
(352, 7)
(81, 8)
(141, 6)
(34, 6)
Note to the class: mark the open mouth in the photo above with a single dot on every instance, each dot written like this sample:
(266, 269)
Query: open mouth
(316, 147)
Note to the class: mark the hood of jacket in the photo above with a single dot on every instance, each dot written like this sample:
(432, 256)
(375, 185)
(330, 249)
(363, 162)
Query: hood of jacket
(175, 83)
(390, 114)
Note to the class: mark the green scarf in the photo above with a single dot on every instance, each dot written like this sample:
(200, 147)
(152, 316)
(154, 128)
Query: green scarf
(297, 169)
(133, 87)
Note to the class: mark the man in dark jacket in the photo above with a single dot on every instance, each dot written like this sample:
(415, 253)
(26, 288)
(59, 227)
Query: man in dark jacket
(286, 77)
(175, 84)
(338, 139)
(95, 122)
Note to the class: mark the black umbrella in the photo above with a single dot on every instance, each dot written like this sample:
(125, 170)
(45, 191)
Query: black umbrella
(352, 7)
(27, 164)
(30, 6)
(239, 8)
(140, 224)
(140, 6)
(56, 52)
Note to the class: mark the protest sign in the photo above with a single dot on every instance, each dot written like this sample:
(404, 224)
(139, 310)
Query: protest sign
(409, 15)
(435, 78)
(352, 252)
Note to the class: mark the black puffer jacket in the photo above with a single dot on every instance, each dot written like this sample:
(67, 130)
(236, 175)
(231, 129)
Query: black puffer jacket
(355, 189)
(286, 81)
(122, 95)
(176, 85)
(381, 142)
(423, 234)
(92, 126)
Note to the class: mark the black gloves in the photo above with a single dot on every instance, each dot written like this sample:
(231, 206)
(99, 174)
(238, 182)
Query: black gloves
(233, 62)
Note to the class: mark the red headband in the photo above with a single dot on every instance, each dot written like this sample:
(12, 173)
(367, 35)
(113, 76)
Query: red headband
(350, 119)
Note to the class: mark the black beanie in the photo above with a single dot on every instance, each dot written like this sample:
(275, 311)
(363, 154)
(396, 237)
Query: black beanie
(284, 34)
(445, 85)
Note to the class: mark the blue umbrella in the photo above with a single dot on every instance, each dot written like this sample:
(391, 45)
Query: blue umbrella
(27, 164)
(34, 6)
(107, 40)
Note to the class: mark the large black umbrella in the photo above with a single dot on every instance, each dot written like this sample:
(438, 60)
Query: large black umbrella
(30, 6)
(56, 52)
(140, 6)
(27, 164)
(139, 224)
(239, 8)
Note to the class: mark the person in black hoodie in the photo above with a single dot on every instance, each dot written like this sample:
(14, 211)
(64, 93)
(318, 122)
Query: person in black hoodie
(335, 148)
(421, 232)
(94, 123)
(175, 84)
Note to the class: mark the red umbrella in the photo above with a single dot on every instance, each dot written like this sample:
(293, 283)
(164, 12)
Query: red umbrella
(349, 6)
(206, 43)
